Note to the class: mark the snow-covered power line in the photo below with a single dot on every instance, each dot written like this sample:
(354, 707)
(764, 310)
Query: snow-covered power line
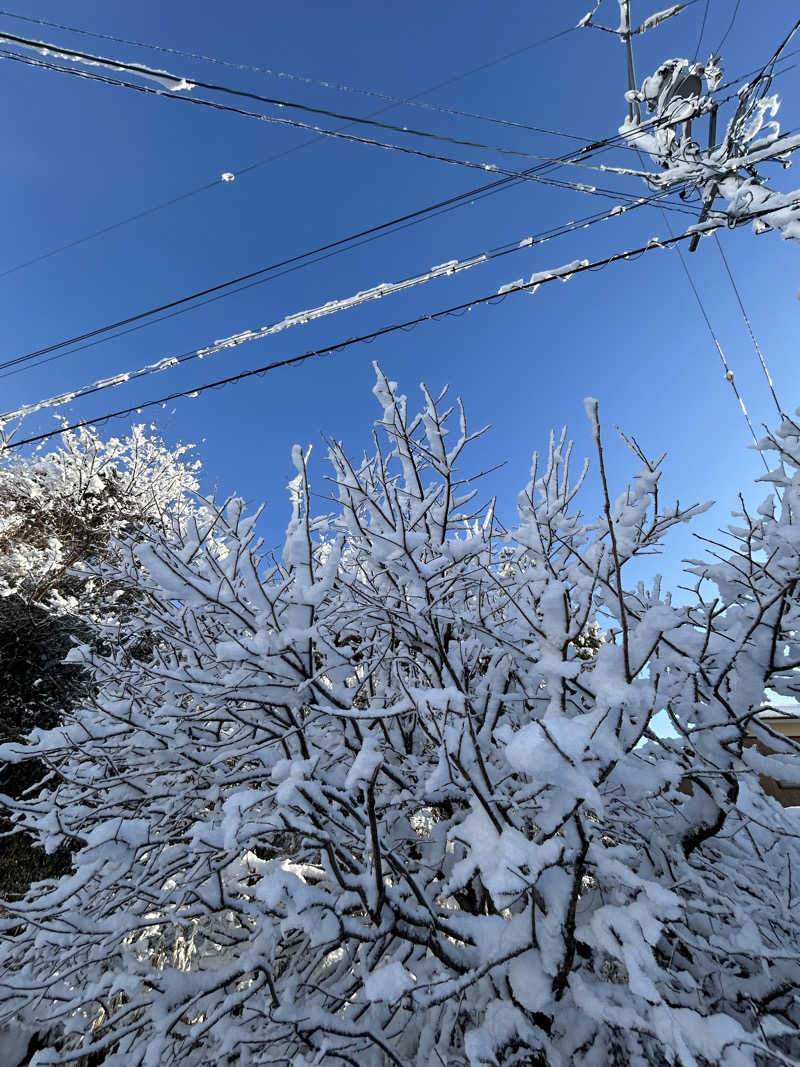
(234, 65)
(590, 146)
(564, 273)
(409, 101)
(414, 101)
(308, 315)
(174, 87)
(338, 134)
(298, 318)
(190, 302)
(177, 83)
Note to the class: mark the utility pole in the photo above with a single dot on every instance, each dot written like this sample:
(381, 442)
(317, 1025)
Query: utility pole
(676, 96)
(634, 111)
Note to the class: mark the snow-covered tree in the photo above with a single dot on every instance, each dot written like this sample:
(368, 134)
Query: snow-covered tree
(59, 512)
(404, 796)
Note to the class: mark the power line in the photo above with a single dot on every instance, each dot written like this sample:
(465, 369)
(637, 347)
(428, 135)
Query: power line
(395, 101)
(462, 308)
(239, 171)
(340, 243)
(729, 375)
(312, 314)
(326, 84)
(616, 142)
(702, 29)
(749, 326)
(266, 70)
(405, 149)
(555, 232)
(181, 83)
(730, 27)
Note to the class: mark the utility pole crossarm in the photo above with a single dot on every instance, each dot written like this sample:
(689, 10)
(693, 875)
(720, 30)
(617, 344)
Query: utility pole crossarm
(681, 91)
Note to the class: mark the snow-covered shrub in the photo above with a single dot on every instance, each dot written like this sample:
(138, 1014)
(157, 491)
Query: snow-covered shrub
(59, 513)
(61, 509)
(402, 797)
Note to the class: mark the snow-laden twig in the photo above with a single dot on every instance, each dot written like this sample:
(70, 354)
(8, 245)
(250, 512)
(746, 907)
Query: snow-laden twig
(403, 794)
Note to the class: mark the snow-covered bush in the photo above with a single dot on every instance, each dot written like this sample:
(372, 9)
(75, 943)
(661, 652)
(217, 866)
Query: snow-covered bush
(402, 796)
(59, 512)
(61, 509)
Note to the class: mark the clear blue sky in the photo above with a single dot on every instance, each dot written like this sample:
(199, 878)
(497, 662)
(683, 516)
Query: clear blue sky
(79, 156)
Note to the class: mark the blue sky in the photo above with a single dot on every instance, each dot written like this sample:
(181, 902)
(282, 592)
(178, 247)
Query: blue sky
(80, 156)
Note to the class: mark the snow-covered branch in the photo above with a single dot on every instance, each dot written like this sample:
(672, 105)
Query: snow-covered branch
(404, 795)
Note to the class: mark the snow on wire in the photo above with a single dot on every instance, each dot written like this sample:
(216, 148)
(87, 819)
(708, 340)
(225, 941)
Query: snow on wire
(451, 267)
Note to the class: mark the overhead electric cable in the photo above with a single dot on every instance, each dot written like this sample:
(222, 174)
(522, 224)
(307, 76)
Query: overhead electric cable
(551, 234)
(615, 141)
(340, 134)
(736, 7)
(494, 297)
(266, 70)
(341, 242)
(729, 375)
(323, 83)
(563, 274)
(395, 101)
(240, 171)
(312, 314)
(182, 83)
(702, 29)
(749, 326)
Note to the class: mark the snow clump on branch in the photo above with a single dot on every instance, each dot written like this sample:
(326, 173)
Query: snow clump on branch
(391, 800)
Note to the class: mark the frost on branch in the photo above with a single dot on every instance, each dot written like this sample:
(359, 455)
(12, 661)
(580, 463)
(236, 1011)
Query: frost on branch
(400, 795)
